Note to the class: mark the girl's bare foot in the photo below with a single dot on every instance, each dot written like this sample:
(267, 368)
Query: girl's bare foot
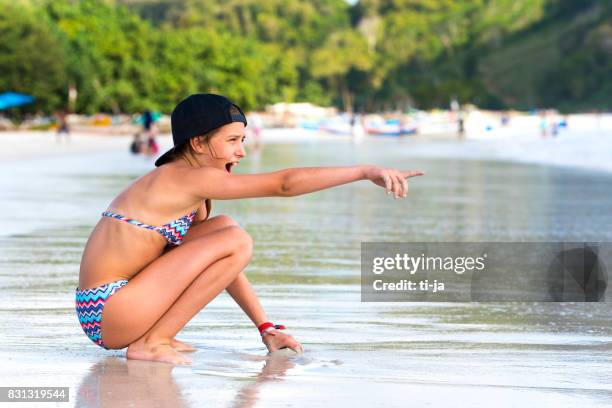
(161, 352)
(181, 346)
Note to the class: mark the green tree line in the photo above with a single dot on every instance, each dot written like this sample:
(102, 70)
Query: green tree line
(131, 55)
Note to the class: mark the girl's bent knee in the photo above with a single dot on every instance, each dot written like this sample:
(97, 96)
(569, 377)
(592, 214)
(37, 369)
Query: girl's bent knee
(240, 241)
(225, 220)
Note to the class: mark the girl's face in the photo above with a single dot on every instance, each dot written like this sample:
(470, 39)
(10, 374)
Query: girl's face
(225, 148)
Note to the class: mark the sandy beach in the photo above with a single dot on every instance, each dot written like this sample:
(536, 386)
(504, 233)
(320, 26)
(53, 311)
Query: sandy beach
(306, 269)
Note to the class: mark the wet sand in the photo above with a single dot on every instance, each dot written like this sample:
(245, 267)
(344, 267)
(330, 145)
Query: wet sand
(306, 271)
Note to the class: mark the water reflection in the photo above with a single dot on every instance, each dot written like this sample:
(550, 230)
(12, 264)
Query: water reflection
(275, 368)
(118, 382)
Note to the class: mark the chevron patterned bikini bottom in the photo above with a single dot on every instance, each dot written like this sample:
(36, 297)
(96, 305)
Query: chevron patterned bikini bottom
(89, 306)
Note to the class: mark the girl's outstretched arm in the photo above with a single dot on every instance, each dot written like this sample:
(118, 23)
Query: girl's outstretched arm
(216, 184)
(306, 180)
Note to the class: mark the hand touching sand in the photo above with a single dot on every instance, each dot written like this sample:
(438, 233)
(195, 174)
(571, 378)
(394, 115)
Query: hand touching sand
(275, 340)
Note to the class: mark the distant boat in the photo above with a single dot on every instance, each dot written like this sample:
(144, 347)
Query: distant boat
(390, 127)
(405, 131)
(309, 124)
(337, 127)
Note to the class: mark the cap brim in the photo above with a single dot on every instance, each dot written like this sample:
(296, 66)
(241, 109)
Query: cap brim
(164, 158)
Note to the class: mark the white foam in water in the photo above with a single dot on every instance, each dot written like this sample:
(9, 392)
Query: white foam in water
(586, 149)
(586, 143)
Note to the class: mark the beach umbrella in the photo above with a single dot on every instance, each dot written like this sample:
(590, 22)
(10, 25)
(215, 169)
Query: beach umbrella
(11, 99)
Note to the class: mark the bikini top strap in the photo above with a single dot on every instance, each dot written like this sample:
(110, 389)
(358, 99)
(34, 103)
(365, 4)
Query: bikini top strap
(128, 220)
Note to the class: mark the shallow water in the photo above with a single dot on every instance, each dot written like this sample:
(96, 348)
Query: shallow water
(306, 271)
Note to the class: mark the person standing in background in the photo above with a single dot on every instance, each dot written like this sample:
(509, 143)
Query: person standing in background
(257, 125)
(148, 123)
(543, 124)
(63, 128)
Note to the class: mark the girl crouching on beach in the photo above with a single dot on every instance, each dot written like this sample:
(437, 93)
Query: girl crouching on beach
(140, 284)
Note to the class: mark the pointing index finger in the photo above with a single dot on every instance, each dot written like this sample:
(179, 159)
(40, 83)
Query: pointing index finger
(412, 173)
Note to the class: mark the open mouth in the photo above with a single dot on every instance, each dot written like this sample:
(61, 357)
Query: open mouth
(228, 166)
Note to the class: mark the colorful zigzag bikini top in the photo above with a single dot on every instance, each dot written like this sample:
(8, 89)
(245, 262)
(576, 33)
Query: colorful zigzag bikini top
(173, 231)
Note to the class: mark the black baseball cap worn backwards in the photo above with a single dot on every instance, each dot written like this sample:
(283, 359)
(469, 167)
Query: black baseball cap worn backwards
(199, 114)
